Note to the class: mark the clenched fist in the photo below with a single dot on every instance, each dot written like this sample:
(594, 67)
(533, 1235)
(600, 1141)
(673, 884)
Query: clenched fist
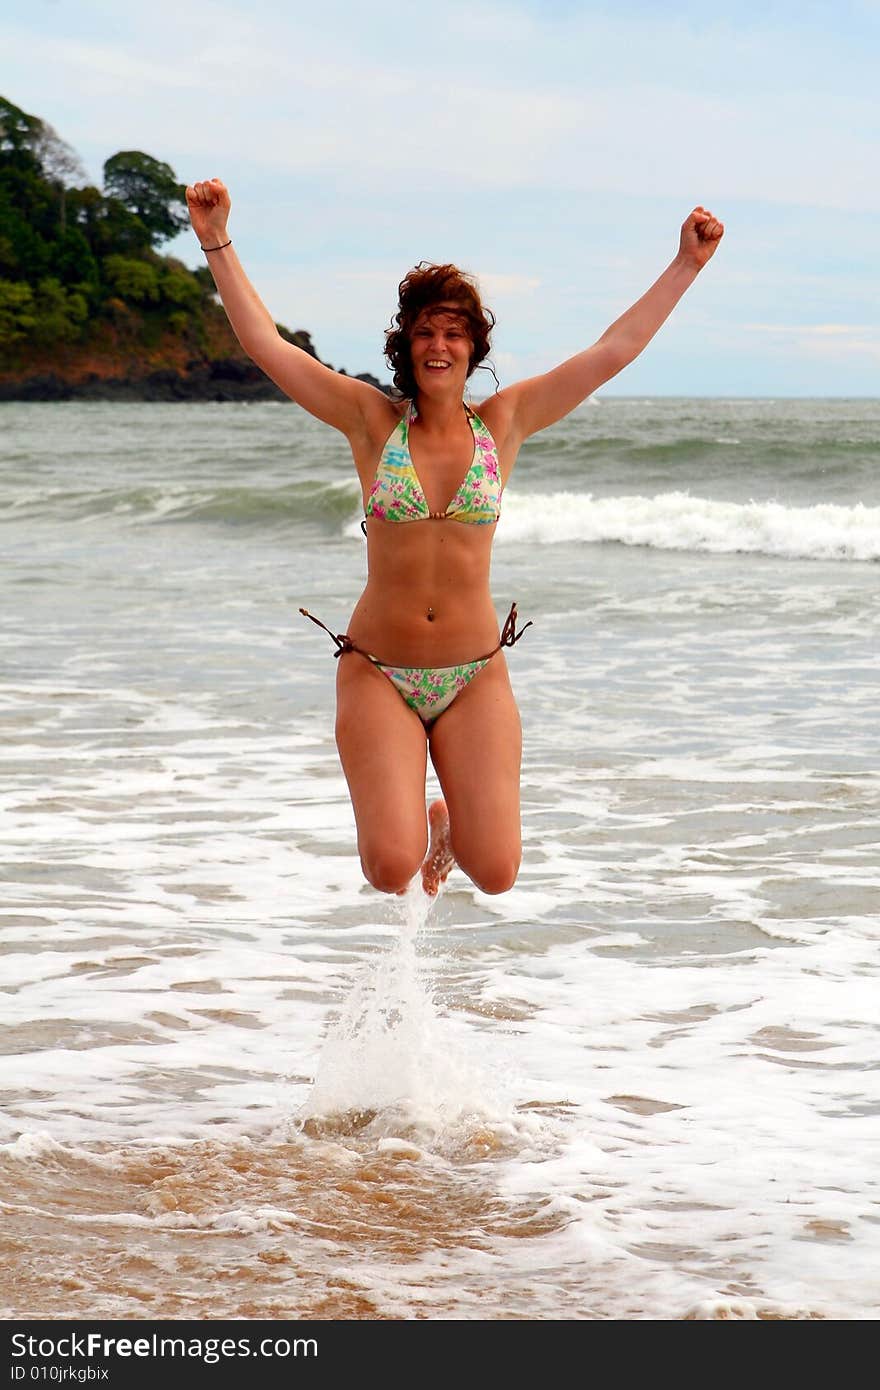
(700, 235)
(208, 204)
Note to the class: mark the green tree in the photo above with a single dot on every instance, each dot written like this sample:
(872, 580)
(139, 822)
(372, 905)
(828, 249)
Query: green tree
(24, 254)
(149, 189)
(106, 225)
(8, 260)
(72, 260)
(179, 286)
(17, 318)
(34, 151)
(59, 314)
(27, 192)
(132, 280)
(19, 134)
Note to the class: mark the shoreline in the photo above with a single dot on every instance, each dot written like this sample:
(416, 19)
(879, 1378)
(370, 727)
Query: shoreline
(224, 379)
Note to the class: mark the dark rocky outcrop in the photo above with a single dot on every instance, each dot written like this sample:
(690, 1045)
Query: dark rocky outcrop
(224, 379)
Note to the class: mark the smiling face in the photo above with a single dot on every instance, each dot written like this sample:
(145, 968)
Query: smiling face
(441, 348)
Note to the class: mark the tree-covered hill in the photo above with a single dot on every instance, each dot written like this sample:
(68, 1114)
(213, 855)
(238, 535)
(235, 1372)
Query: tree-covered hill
(88, 306)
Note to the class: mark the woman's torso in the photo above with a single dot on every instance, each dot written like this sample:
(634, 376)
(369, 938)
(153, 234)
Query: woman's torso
(427, 599)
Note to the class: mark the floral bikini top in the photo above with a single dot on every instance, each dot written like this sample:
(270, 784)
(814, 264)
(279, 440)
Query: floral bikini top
(396, 493)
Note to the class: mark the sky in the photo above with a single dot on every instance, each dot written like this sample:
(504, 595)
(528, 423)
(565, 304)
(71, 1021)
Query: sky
(552, 148)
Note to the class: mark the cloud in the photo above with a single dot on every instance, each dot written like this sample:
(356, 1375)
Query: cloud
(496, 282)
(112, 68)
(822, 329)
(823, 340)
(492, 98)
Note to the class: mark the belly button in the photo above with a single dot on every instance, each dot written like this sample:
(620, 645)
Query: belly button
(430, 615)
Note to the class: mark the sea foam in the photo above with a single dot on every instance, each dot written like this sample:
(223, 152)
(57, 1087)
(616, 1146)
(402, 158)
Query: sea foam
(678, 521)
(394, 1058)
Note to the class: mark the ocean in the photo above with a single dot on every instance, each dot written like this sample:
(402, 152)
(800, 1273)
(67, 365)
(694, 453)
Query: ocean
(238, 1082)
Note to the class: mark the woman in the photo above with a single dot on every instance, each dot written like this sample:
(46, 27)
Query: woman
(422, 665)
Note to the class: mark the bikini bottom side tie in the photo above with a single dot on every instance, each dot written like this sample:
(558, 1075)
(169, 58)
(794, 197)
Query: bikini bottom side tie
(429, 690)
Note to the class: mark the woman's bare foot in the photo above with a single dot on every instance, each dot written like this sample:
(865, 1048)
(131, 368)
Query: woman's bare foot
(438, 860)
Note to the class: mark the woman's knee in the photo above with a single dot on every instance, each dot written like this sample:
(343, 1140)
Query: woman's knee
(389, 867)
(493, 873)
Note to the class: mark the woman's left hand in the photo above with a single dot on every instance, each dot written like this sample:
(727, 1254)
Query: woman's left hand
(700, 235)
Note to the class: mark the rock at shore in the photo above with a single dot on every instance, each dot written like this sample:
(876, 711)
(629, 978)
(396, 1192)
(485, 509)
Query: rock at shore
(224, 379)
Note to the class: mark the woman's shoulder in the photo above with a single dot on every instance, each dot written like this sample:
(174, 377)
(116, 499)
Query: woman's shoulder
(383, 414)
(496, 413)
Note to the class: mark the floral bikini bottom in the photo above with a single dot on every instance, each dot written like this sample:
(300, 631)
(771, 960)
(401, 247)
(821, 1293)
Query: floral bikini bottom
(429, 690)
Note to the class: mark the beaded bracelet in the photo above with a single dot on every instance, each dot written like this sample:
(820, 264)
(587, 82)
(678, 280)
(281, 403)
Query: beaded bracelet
(206, 249)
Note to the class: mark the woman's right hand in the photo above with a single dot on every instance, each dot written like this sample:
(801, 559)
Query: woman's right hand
(208, 205)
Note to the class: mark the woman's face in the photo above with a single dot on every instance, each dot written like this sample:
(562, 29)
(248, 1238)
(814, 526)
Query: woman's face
(441, 348)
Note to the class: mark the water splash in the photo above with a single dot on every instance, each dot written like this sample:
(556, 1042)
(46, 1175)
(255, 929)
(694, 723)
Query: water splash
(393, 1062)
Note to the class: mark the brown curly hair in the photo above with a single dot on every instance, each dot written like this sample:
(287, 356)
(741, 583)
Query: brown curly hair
(426, 285)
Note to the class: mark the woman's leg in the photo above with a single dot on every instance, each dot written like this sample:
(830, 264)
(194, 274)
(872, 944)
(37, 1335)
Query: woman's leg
(383, 749)
(476, 749)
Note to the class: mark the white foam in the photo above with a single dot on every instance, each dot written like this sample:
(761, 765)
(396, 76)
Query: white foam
(394, 1050)
(678, 521)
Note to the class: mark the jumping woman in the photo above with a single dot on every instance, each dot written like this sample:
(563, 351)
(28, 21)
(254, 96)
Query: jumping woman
(422, 666)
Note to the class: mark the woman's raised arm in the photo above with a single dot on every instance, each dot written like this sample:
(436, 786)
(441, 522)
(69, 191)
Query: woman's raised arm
(542, 400)
(338, 400)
